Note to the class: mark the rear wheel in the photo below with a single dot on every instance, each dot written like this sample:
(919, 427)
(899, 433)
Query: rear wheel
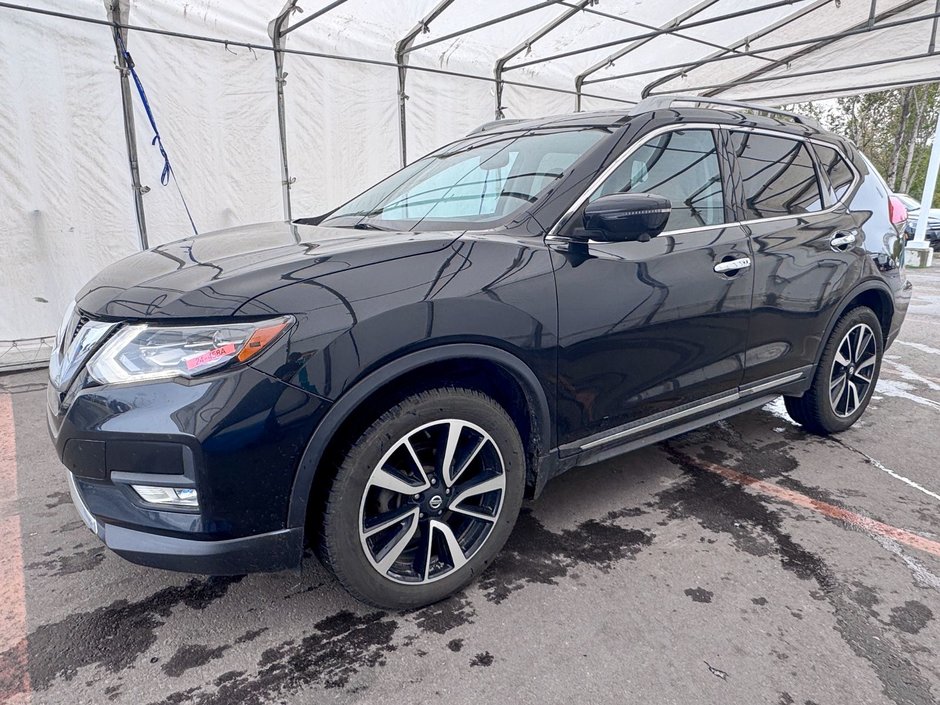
(424, 498)
(845, 377)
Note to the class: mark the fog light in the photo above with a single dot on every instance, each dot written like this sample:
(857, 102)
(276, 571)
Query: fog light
(175, 496)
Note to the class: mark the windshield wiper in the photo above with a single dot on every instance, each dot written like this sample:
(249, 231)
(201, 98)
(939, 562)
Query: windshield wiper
(367, 226)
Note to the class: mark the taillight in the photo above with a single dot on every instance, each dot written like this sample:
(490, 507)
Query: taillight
(897, 213)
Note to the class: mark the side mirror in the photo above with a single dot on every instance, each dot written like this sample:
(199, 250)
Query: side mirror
(624, 217)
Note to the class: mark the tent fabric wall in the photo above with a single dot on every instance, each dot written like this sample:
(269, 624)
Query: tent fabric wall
(65, 193)
(65, 203)
(214, 109)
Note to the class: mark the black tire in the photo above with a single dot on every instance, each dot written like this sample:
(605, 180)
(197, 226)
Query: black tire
(815, 410)
(343, 536)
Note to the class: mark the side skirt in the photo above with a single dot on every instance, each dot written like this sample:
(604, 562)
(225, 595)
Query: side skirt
(658, 428)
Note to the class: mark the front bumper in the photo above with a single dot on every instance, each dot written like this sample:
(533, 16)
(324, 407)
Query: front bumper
(236, 437)
(276, 550)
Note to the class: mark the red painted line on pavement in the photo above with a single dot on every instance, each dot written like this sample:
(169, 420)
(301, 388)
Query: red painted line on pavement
(14, 673)
(830, 510)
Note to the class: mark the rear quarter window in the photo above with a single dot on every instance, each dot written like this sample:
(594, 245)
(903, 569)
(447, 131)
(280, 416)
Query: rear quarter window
(835, 170)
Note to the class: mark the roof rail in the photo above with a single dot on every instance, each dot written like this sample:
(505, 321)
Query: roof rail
(662, 102)
(495, 123)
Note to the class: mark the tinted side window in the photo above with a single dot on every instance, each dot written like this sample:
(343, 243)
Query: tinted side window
(778, 175)
(681, 166)
(835, 169)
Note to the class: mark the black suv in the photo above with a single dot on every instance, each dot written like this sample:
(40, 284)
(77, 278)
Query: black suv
(390, 380)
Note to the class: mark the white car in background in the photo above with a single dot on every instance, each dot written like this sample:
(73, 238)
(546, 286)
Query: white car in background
(913, 215)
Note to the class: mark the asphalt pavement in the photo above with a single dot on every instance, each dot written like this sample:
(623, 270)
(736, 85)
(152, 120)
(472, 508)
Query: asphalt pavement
(746, 562)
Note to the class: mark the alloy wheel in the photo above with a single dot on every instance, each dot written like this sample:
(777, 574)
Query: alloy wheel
(853, 370)
(432, 501)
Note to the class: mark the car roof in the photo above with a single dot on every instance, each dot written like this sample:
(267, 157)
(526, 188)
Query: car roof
(620, 118)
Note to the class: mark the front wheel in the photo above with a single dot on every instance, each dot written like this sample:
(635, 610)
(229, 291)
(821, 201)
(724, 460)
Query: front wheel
(424, 499)
(845, 377)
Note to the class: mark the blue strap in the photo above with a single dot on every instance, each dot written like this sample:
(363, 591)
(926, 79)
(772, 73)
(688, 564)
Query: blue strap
(167, 168)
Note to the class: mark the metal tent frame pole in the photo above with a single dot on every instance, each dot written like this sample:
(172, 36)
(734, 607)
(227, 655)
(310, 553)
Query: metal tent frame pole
(483, 25)
(870, 24)
(685, 66)
(402, 48)
(722, 87)
(278, 40)
(930, 187)
(297, 25)
(652, 34)
(828, 38)
(278, 29)
(221, 41)
(844, 90)
(732, 51)
(672, 26)
(644, 25)
(118, 13)
(527, 43)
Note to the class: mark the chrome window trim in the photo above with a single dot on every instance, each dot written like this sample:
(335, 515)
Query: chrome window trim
(614, 165)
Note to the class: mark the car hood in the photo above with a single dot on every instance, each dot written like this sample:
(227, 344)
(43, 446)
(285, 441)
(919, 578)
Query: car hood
(216, 274)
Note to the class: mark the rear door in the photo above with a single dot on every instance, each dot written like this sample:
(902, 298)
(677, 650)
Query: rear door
(649, 327)
(807, 249)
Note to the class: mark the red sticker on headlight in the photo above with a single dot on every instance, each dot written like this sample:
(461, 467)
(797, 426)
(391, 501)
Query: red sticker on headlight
(209, 356)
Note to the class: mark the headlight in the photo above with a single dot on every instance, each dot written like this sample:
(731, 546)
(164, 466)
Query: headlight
(64, 325)
(144, 352)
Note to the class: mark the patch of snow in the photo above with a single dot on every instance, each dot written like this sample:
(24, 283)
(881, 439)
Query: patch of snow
(919, 346)
(779, 409)
(903, 390)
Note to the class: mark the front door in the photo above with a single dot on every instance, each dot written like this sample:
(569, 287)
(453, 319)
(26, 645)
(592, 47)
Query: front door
(645, 327)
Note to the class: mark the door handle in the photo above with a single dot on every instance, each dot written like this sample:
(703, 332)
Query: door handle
(842, 239)
(733, 265)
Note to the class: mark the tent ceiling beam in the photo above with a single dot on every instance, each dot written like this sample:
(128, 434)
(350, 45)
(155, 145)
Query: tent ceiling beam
(298, 52)
(483, 25)
(306, 20)
(800, 74)
(526, 44)
(672, 24)
(733, 51)
(780, 99)
(644, 25)
(657, 33)
(778, 47)
(869, 25)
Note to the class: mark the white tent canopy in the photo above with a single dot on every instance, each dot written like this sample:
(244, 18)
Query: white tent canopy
(209, 69)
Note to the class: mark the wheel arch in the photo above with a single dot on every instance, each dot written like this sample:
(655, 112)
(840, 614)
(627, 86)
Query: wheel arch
(353, 401)
(874, 294)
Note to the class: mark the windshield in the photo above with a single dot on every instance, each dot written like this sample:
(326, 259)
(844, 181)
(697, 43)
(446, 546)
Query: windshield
(476, 182)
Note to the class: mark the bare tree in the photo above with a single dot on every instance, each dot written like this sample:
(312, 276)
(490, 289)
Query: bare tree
(919, 110)
(899, 138)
